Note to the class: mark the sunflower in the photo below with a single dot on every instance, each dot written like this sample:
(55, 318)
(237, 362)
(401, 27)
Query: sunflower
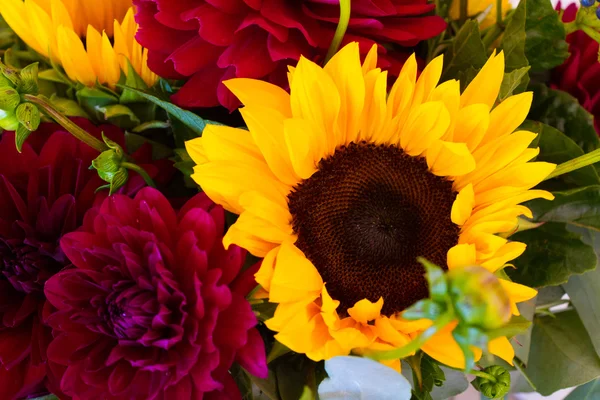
(341, 187)
(54, 28)
(479, 6)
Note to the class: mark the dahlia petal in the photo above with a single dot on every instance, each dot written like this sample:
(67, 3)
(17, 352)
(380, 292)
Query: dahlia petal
(345, 70)
(120, 379)
(203, 226)
(462, 255)
(234, 323)
(315, 97)
(517, 293)
(450, 159)
(276, 31)
(422, 130)
(267, 128)
(215, 26)
(365, 311)
(248, 54)
(252, 356)
(484, 88)
(15, 346)
(193, 55)
(472, 123)
(463, 205)
(295, 277)
(502, 348)
(201, 89)
(254, 92)
(289, 16)
(508, 115)
(291, 49)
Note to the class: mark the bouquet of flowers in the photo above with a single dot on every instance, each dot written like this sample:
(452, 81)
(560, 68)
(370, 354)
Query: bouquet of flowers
(307, 199)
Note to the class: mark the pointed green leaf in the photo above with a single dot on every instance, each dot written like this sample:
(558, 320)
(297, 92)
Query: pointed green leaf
(21, 135)
(589, 391)
(29, 116)
(133, 80)
(467, 51)
(514, 82)
(579, 207)
(513, 40)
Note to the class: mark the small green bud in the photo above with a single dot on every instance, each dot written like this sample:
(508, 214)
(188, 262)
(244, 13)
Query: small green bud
(8, 121)
(28, 115)
(490, 388)
(9, 99)
(29, 79)
(108, 165)
(478, 297)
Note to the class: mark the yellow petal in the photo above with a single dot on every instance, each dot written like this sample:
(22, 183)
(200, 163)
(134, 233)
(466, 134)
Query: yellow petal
(328, 309)
(265, 273)
(365, 311)
(524, 176)
(74, 58)
(463, 205)
(285, 312)
(41, 28)
(502, 348)
(426, 124)
(444, 348)
(375, 109)
(256, 92)
(462, 255)
(304, 332)
(517, 293)
(471, 125)
(94, 52)
(111, 63)
(266, 126)
(485, 87)
(315, 97)
(223, 143)
(305, 146)
(508, 115)
(449, 159)
(295, 277)
(370, 62)
(401, 94)
(346, 72)
(386, 331)
(428, 80)
(15, 14)
(257, 246)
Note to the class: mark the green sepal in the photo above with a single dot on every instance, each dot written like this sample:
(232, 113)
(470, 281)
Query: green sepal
(119, 179)
(11, 74)
(8, 120)
(21, 135)
(466, 337)
(9, 99)
(438, 286)
(68, 107)
(427, 309)
(491, 389)
(29, 116)
(29, 79)
(517, 325)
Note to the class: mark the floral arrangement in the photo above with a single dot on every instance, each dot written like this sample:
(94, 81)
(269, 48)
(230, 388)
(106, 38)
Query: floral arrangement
(299, 200)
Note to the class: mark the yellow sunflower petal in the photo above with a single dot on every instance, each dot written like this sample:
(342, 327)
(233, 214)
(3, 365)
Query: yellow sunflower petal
(265, 273)
(471, 125)
(365, 310)
(425, 125)
(462, 255)
(305, 146)
(387, 332)
(463, 205)
(449, 158)
(502, 348)
(428, 80)
(509, 115)
(517, 293)
(222, 143)
(444, 348)
(375, 109)
(295, 277)
(261, 93)
(257, 246)
(370, 62)
(484, 88)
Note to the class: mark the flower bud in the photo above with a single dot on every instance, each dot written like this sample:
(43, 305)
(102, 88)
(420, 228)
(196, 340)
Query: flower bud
(490, 388)
(478, 297)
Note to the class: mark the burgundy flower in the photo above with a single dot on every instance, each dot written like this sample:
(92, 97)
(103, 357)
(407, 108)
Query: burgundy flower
(580, 74)
(44, 193)
(154, 307)
(213, 40)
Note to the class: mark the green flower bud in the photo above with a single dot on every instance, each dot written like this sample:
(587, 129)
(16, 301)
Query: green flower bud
(108, 165)
(9, 99)
(478, 297)
(8, 121)
(495, 388)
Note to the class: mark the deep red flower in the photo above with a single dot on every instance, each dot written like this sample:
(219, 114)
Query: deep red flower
(214, 40)
(154, 308)
(44, 193)
(580, 74)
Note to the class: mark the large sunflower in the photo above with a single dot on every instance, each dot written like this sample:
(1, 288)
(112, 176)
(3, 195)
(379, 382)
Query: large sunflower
(54, 29)
(341, 187)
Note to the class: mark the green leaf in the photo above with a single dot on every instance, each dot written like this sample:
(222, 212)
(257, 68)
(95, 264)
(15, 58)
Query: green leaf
(242, 380)
(133, 80)
(579, 207)
(184, 163)
(159, 151)
(522, 341)
(52, 75)
(514, 82)
(455, 383)
(584, 290)
(277, 351)
(29, 116)
(21, 135)
(553, 254)
(46, 397)
(563, 112)
(189, 119)
(29, 79)
(92, 98)
(294, 372)
(545, 45)
(513, 40)
(467, 51)
(589, 391)
(151, 125)
(556, 147)
(68, 107)
(561, 354)
(119, 115)
(549, 295)
(268, 386)
(307, 394)
(466, 76)
(11, 74)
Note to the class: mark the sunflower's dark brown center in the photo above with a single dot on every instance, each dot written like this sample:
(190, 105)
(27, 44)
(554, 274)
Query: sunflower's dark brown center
(363, 219)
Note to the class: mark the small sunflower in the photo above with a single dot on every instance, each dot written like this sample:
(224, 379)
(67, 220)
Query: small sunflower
(341, 187)
(54, 29)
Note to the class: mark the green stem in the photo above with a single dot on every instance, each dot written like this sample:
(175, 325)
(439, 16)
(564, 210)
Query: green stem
(66, 123)
(140, 171)
(340, 30)
(575, 164)
(415, 365)
(464, 10)
(570, 27)
(483, 375)
(499, 12)
(591, 33)
(417, 342)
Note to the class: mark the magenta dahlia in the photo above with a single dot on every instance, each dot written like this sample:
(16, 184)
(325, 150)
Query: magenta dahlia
(44, 193)
(209, 41)
(154, 307)
(580, 74)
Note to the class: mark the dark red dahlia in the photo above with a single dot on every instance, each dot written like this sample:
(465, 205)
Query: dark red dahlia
(213, 40)
(44, 193)
(580, 74)
(154, 307)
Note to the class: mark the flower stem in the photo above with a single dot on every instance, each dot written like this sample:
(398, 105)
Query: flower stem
(141, 171)
(483, 375)
(66, 123)
(499, 12)
(575, 164)
(340, 31)
(417, 342)
(464, 9)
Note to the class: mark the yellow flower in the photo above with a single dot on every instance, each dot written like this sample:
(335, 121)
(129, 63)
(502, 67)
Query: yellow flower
(479, 6)
(341, 187)
(54, 29)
